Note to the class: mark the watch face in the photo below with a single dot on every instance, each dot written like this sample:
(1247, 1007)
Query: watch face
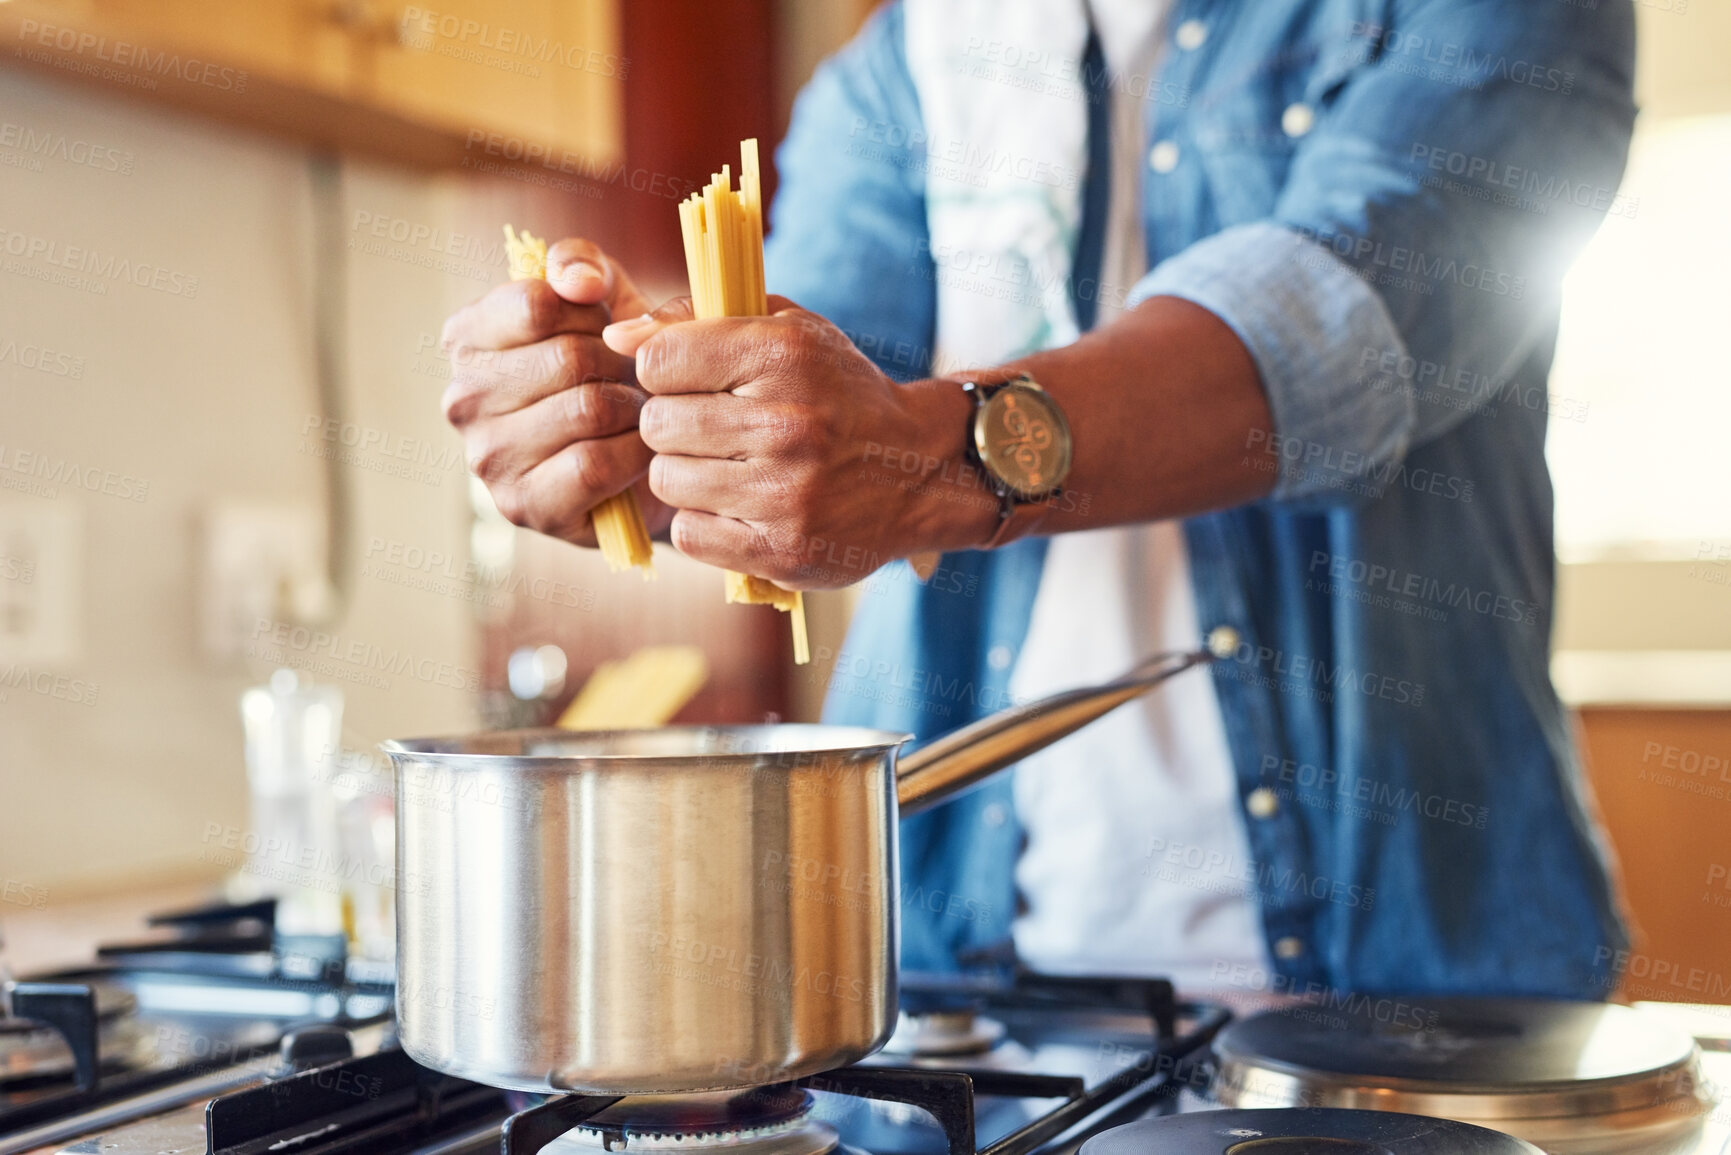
(1023, 439)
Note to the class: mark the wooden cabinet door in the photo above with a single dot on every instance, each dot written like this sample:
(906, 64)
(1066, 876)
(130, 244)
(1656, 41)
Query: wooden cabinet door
(464, 81)
(303, 43)
(507, 75)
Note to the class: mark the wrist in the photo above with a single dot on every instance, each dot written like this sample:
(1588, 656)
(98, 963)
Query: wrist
(945, 504)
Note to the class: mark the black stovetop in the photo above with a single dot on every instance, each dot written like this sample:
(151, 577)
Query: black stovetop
(241, 1044)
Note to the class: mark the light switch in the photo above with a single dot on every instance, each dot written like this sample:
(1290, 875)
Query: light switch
(261, 561)
(40, 583)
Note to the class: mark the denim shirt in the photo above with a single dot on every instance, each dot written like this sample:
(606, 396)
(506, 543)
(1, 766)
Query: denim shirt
(1380, 197)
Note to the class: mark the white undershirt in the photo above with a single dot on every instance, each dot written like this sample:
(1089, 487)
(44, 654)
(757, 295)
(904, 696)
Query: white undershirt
(1135, 850)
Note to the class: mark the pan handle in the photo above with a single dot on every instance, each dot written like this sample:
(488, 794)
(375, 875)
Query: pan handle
(962, 758)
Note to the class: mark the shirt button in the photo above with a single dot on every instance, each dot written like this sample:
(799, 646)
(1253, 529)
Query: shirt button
(994, 815)
(998, 657)
(1190, 35)
(1297, 119)
(1163, 157)
(1288, 947)
(1262, 803)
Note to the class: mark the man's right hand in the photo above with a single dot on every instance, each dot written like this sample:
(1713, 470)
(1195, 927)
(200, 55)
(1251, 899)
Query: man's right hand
(547, 412)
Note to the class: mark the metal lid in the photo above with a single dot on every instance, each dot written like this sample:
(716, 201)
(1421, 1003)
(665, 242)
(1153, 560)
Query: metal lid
(1488, 1059)
(1303, 1131)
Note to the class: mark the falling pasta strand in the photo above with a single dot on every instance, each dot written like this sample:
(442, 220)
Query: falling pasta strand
(618, 521)
(723, 231)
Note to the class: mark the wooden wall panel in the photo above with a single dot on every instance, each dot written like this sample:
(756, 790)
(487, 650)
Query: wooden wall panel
(701, 79)
(1663, 779)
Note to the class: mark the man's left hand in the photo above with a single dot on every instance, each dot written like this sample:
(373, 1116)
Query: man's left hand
(788, 454)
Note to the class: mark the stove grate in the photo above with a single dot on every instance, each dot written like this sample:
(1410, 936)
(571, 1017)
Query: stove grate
(352, 1106)
(386, 1101)
(948, 1095)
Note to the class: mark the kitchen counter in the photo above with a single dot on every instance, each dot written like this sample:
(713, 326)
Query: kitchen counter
(65, 934)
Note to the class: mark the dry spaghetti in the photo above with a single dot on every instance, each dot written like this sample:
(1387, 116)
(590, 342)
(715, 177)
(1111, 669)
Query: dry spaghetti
(724, 256)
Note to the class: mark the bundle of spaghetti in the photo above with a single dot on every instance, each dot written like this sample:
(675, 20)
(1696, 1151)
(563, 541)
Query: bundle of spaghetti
(619, 528)
(724, 255)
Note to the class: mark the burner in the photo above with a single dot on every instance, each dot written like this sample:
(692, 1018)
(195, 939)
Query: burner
(1554, 1073)
(945, 1033)
(771, 1120)
(1303, 1131)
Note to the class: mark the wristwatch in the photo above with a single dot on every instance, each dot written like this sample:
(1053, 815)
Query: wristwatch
(1020, 442)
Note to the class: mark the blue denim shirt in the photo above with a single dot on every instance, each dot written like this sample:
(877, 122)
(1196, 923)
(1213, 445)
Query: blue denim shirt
(1380, 198)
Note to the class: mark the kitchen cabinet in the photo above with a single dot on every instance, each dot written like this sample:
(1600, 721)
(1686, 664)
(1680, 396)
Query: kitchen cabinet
(430, 84)
(294, 41)
(547, 71)
(1662, 778)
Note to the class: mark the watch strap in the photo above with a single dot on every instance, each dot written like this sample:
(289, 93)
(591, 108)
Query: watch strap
(1018, 518)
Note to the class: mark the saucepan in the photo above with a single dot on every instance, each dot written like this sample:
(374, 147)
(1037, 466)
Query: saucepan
(683, 909)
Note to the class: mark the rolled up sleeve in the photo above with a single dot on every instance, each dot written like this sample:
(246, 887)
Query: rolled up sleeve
(1306, 319)
(1381, 273)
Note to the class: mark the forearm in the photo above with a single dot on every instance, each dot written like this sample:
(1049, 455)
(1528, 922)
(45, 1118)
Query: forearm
(1162, 405)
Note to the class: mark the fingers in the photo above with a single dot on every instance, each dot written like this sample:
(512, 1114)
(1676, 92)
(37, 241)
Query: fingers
(629, 332)
(487, 383)
(627, 336)
(746, 547)
(582, 273)
(714, 356)
(721, 541)
(519, 313)
(556, 496)
(547, 410)
(715, 425)
(724, 353)
(712, 485)
(504, 448)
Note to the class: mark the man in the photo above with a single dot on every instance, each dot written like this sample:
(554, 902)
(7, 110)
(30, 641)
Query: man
(1290, 270)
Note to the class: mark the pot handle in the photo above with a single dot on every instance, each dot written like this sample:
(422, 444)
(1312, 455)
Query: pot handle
(962, 758)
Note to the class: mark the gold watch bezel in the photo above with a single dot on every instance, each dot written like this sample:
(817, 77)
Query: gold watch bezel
(996, 455)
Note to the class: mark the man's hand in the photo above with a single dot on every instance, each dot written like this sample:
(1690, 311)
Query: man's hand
(548, 412)
(789, 455)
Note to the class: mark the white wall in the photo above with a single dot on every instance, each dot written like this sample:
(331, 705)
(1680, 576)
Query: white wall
(206, 397)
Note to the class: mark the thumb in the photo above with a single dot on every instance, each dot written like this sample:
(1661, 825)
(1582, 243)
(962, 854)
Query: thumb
(626, 337)
(583, 274)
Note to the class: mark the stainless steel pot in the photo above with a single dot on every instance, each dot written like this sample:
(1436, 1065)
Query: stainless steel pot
(674, 910)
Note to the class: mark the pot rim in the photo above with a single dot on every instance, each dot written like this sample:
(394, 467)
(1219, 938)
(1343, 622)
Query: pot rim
(529, 747)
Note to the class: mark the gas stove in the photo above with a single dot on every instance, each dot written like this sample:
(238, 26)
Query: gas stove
(379, 1101)
(225, 1040)
(230, 1041)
